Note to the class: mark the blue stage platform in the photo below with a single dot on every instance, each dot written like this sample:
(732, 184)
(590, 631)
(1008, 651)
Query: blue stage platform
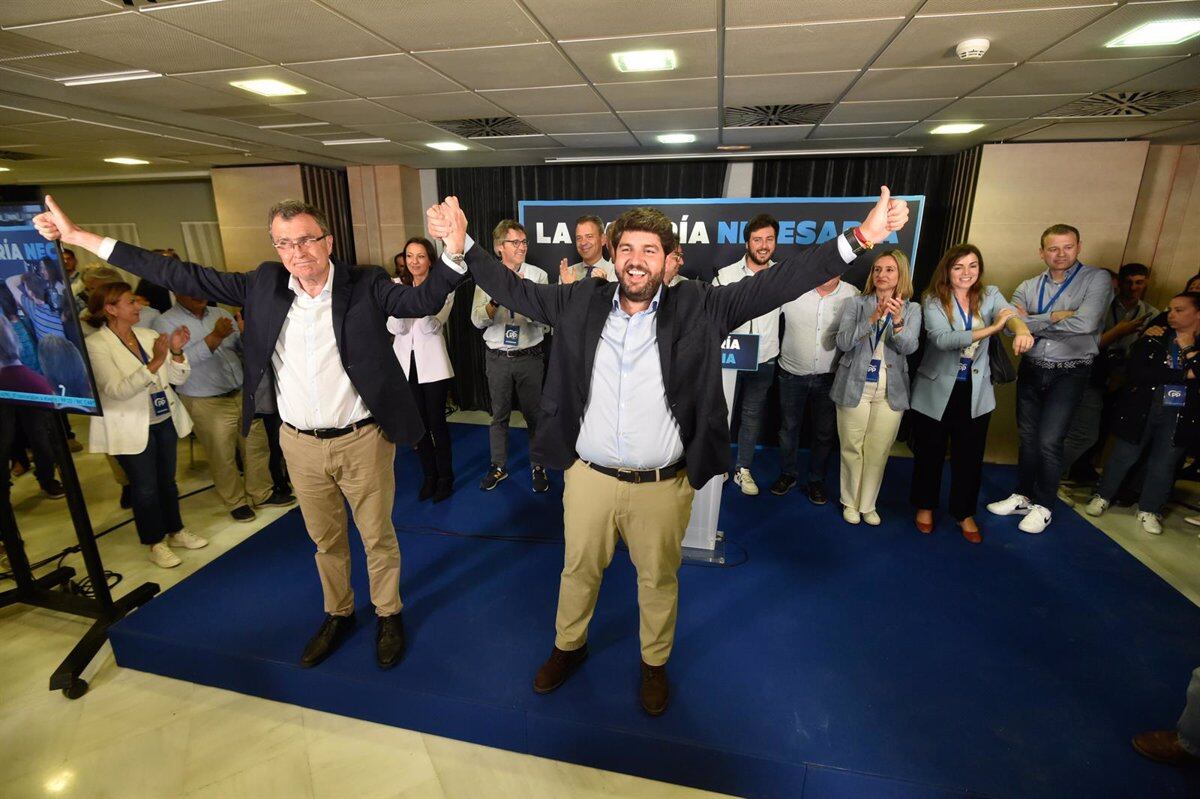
(831, 661)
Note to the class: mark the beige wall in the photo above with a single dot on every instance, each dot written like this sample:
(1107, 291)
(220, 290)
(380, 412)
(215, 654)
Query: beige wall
(385, 205)
(243, 195)
(1025, 188)
(1166, 224)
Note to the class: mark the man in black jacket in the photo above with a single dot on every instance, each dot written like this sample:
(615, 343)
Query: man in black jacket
(316, 348)
(633, 408)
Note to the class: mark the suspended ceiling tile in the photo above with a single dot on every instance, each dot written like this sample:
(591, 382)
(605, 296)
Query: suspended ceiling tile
(577, 99)
(1185, 134)
(505, 67)
(142, 42)
(26, 13)
(345, 112)
(695, 54)
(885, 110)
(354, 152)
(444, 105)
(276, 30)
(15, 116)
(1061, 77)
(785, 135)
(603, 18)
(324, 131)
(917, 82)
(14, 45)
(404, 131)
(1187, 112)
(1100, 129)
(65, 65)
(1089, 42)
(597, 140)
(931, 41)
(220, 80)
(1184, 74)
(531, 142)
(437, 24)
(990, 127)
(679, 119)
(555, 124)
(805, 48)
(785, 12)
(1004, 107)
(704, 139)
(931, 7)
(808, 87)
(66, 130)
(259, 120)
(667, 94)
(865, 130)
(384, 76)
(157, 92)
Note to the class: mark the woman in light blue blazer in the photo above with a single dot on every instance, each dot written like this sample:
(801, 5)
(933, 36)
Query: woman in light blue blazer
(870, 386)
(952, 396)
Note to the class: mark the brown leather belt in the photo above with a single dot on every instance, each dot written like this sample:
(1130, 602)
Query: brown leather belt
(333, 432)
(635, 476)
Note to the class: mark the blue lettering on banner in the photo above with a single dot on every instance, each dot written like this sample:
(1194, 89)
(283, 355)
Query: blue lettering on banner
(739, 351)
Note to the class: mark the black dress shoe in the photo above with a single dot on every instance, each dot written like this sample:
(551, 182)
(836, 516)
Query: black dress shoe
(333, 631)
(389, 641)
(242, 513)
(816, 494)
(541, 483)
(445, 487)
(278, 498)
(783, 485)
(428, 486)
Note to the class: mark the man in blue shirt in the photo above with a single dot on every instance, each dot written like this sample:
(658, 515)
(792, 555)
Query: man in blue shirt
(213, 398)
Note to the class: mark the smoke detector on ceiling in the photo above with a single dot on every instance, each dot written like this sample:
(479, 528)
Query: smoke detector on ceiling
(972, 49)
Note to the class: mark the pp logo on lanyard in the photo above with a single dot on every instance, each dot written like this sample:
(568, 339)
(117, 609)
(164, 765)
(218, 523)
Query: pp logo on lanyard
(873, 371)
(512, 335)
(874, 366)
(158, 401)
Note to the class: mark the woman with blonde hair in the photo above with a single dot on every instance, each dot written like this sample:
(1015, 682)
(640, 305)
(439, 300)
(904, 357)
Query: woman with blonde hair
(952, 395)
(877, 332)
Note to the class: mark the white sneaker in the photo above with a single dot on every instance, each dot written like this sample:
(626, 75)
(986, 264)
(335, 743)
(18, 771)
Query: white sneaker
(746, 480)
(1036, 520)
(851, 515)
(1016, 503)
(161, 555)
(187, 540)
(1096, 506)
(1193, 520)
(1150, 522)
(872, 518)
(1066, 498)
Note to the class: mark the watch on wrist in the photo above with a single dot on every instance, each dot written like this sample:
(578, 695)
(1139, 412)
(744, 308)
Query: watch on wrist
(857, 243)
(177, 354)
(456, 257)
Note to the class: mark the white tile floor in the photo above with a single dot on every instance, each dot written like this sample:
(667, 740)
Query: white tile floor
(138, 735)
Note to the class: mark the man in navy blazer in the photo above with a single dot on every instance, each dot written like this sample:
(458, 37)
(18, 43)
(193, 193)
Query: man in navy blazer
(633, 409)
(316, 349)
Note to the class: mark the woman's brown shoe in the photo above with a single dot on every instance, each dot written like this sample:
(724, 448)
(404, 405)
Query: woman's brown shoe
(971, 533)
(925, 526)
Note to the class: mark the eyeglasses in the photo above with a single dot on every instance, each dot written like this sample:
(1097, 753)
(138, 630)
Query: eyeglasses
(517, 243)
(283, 245)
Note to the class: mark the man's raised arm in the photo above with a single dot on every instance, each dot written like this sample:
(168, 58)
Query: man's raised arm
(181, 277)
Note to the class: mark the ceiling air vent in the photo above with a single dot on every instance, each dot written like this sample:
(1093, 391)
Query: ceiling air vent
(13, 155)
(486, 127)
(759, 116)
(1127, 104)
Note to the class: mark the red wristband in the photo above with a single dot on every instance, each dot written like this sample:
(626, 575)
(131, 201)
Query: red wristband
(861, 238)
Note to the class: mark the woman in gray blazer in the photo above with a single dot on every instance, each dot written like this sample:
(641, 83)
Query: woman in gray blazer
(870, 387)
(952, 396)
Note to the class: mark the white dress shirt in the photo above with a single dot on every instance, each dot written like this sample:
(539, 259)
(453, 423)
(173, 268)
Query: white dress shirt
(765, 326)
(810, 330)
(579, 269)
(530, 333)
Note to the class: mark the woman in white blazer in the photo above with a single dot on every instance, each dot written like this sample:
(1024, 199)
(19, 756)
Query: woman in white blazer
(421, 349)
(143, 419)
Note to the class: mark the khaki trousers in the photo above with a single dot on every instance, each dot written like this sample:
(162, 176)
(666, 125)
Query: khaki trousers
(866, 432)
(651, 518)
(358, 468)
(217, 422)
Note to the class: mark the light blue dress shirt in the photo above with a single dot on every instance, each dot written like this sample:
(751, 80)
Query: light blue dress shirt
(627, 423)
(1076, 338)
(214, 372)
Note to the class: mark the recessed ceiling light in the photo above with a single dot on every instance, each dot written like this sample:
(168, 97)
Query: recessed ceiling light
(1163, 31)
(292, 125)
(363, 140)
(644, 60)
(957, 127)
(267, 87)
(5, 169)
(447, 146)
(732, 147)
(676, 138)
(109, 77)
(126, 161)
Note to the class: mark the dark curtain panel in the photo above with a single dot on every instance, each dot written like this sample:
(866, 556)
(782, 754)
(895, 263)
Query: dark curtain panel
(489, 194)
(329, 190)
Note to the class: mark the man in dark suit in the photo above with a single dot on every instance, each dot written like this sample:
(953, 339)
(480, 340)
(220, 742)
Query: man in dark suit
(316, 348)
(633, 408)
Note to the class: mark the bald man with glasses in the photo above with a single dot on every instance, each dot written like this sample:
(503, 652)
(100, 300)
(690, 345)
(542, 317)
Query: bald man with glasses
(316, 348)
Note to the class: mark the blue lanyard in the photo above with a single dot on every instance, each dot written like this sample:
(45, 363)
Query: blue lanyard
(968, 319)
(1174, 353)
(879, 330)
(1042, 306)
(141, 352)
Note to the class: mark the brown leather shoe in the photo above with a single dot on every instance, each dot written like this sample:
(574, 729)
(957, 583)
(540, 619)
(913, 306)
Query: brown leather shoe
(974, 536)
(558, 667)
(1162, 746)
(655, 690)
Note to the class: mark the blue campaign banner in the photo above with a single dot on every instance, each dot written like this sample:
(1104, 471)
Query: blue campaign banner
(712, 230)
(739, 351)
(43, 362)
